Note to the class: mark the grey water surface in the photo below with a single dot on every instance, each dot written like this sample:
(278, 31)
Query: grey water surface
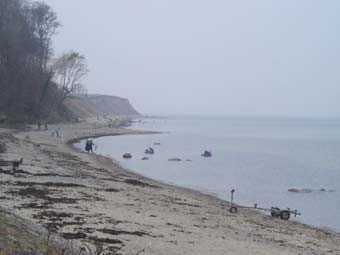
(259, 157)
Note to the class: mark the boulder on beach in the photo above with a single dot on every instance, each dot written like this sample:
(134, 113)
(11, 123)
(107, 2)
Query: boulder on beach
(127, 156)
(174, 159)
(145, 158)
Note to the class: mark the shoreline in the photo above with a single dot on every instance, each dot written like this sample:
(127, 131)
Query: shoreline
(115, 164)
(115, 161)
(97, 201)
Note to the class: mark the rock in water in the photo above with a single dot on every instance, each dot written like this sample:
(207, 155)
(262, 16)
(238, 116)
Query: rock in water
(207, 154)
(127, 156)
(300, 190)
(175, 159)
(306, 190)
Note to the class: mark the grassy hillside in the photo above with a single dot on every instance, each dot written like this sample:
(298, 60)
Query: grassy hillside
(20, 237)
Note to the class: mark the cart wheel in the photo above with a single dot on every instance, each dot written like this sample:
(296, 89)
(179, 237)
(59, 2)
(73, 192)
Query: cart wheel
(285, 215)
(233, 209)
(275, 212)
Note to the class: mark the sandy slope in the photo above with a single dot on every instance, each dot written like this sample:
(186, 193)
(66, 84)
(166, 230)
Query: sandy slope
(88, 200)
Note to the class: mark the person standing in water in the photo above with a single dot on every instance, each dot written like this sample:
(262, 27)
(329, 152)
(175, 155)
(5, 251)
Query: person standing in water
(89, 146)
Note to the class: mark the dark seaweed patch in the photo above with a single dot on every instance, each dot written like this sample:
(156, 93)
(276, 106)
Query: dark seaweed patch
(74, 236)
(52, 215)
(111, 190)
(115, 232)
(105, 240)
(139, 183)
(50, 184)
(33, 206)
(33, 192)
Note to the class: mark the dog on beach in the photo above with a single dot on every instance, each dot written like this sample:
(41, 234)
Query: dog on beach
(16, 163)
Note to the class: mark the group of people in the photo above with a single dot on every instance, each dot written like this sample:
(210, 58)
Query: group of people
(56, 132)
(89, 146)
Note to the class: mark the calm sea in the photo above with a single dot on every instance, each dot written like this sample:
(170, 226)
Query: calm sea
(260, 158)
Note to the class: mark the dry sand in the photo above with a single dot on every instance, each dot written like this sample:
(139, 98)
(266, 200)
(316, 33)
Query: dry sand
(95, 203)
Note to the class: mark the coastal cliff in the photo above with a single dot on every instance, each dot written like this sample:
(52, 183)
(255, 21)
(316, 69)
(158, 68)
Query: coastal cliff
(86, 106)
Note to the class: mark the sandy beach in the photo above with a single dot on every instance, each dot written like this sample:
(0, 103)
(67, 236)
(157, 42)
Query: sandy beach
(96, 204)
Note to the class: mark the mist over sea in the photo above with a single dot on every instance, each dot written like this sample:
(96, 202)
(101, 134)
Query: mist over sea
(259, 157)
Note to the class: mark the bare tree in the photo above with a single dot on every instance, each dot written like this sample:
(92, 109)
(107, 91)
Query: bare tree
(69, 70)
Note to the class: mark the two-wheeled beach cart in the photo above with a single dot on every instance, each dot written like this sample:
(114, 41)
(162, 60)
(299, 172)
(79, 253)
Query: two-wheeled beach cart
(274, 211)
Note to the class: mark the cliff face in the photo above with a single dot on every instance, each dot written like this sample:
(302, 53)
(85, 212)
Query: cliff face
(85, 106)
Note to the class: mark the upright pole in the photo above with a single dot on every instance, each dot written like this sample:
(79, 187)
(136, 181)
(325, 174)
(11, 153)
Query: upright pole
(232, 197)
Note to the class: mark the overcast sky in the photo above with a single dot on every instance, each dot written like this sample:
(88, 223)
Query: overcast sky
(209, 57)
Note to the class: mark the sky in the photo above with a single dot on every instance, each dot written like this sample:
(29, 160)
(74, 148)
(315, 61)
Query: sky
(217, 57)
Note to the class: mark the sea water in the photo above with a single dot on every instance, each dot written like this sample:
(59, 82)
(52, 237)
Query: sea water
(261, 158)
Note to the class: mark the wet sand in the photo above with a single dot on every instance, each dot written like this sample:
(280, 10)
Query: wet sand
(89, 200)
